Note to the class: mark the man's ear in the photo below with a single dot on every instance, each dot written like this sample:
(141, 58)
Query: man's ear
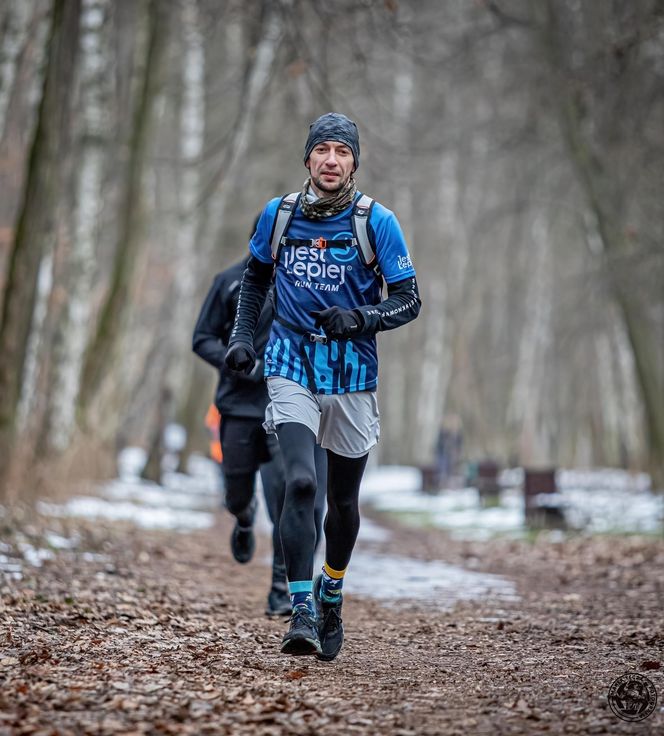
(307, 164)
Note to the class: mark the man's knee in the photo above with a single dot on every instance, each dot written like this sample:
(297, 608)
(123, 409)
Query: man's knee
(239, 492)
(343, 506)
(236, 506)
(302, 487)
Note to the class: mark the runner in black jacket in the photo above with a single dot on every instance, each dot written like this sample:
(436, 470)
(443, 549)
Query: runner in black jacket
(241, 401)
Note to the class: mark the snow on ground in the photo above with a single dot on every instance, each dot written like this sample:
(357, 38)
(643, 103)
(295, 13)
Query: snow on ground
(183, 502)
(594, 501)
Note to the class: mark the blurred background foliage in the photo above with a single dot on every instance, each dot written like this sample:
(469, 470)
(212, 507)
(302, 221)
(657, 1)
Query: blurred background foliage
(521, 145)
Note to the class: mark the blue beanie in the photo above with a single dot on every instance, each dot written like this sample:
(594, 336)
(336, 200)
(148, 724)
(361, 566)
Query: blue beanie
(333, 126)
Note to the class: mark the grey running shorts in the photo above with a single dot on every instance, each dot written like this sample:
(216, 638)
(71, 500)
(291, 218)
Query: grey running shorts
(347, 424)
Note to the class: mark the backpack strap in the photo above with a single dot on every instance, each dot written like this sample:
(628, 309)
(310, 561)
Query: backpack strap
(285, 213)
(362, 233)
(360, 222)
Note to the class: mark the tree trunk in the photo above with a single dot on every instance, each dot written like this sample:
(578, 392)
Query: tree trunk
(15, 32)
(524, 410)
(100, 353)
(163, 412)
(395, 385)
(37, 214)
(256, 81)
(192, 412)
(72, 329)
(212, 221)
(599, 187)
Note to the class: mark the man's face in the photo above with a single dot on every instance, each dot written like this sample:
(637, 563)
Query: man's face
(330, 164)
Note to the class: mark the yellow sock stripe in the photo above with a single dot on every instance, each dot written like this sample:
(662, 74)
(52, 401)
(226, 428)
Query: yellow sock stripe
(336, 574)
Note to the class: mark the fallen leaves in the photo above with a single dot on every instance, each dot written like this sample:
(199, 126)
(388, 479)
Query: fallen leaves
(132, 643)
(295, 675)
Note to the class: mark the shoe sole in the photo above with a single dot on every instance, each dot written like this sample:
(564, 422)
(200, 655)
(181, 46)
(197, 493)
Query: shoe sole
(301, 647)
(328, 657)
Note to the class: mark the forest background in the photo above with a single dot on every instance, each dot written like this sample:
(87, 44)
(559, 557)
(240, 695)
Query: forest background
(520, 143)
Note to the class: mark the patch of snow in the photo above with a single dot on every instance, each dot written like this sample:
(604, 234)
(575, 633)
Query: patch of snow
(203, 485)
(34, 556)
(596, 501)
(175, 437)
(131, 461)
(603, 478)
(390, 479)
(94, 557)
(59, 542)
(151, 494)
(147, 517)
(10, 567)
(372, 532)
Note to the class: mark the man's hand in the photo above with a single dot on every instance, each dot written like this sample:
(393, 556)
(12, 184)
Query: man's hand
(338, 323)
(241, 357)
(256, 373)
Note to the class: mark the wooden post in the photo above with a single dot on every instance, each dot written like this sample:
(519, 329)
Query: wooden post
(542, 512)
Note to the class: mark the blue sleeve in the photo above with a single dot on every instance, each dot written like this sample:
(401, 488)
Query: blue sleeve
(259, 245)
(391, 249)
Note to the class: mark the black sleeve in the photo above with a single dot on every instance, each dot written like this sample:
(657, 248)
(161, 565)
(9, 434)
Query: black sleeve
(401, 306)
(213, 326)
(255, 285)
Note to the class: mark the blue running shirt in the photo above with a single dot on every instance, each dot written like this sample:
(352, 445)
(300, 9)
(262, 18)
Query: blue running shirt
(311, 279)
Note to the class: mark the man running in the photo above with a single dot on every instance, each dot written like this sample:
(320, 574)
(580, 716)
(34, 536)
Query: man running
(241, 401)
(321, 364)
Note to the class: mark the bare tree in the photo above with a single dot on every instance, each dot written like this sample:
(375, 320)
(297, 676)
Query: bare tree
(100, 353)
(33, 230)
(606, 166)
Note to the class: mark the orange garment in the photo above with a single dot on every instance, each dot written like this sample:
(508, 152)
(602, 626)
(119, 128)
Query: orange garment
(212, 419)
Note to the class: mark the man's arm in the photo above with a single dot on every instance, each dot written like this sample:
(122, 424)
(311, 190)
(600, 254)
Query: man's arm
(402, 305)
(403, 299)
(255, 285)
(212, 327)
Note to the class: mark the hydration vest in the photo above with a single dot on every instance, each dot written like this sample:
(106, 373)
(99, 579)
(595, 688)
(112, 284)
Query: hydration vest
(362, 235)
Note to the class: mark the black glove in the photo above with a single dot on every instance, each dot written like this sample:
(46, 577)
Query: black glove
(241, 357)
(338, 323)
(256, 373)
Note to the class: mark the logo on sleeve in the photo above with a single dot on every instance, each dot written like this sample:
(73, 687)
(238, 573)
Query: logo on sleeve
(404, 262)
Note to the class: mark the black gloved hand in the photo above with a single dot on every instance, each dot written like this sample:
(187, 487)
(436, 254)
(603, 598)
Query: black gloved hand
(338, 323)
(255, 375)
(241, 357)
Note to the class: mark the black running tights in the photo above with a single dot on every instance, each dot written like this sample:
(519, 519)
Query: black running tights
(342, 522)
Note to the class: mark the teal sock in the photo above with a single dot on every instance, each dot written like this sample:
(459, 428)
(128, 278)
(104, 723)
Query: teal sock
(333, 581)
(300, 594)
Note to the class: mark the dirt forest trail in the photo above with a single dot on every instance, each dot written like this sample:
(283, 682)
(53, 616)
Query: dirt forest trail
(156, 632)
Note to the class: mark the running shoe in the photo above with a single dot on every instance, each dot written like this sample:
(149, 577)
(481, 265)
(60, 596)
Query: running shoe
(330, 626)
(243, 543)
(302, 637)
